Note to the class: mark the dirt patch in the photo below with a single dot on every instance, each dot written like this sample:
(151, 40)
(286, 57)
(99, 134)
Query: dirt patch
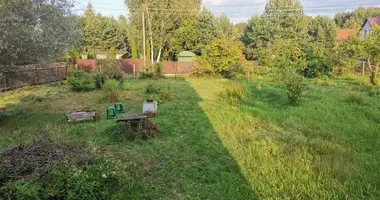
(23, 160)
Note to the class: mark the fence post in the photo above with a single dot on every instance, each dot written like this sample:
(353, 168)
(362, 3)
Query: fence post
(175, 73)
(134, 71)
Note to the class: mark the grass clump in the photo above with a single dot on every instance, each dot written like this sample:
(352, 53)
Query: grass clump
(157, 92)
(112, 90)
(81, 81)
(357, 98)
(141, 129)
(234, 93)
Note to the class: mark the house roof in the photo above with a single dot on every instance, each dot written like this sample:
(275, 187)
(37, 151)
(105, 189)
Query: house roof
(374, 21)
(345, 34)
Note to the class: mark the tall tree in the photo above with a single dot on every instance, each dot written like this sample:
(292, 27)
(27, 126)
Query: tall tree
(207, 30)
(34, 31)
(226, 27)
(165, 16)
(323, 31)
(285, 19)
(355, 19)
(102, 33)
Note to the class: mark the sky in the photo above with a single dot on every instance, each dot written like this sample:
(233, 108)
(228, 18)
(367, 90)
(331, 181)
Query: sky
(236, 10)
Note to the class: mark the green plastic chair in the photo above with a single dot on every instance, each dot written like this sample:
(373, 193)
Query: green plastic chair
(111, 113)
(119, 108)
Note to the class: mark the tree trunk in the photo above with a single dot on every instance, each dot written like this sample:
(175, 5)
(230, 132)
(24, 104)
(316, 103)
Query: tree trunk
(372, 70)
(151, 37)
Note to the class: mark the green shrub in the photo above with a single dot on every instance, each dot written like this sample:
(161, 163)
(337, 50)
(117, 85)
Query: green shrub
(68, 181)
(219, 58)
(81, 81)
(112, 68)
(158, 69)
(234, 93)
(100, 80)
(22, 189)
(357, 98)
(152, 89)
(146, 75)
(111, 89)
(294, 87)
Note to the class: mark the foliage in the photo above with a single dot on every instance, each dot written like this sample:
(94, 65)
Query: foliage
(111, 90)
(146, 75)
(220, 57)
(100, 80)
(292, 81)
(111, 68)
(368, 48)
(234, 93)
(81, 81)
(355, 19)
(357, 98)
(158, 69)
(323, 32)
(141, 129)
(35, 31)
(100, 32)
(69, 181)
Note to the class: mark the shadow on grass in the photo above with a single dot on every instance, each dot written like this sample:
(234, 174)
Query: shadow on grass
(187, 159)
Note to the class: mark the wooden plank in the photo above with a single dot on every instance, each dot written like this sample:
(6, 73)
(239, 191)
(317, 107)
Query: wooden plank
(82, 115)
(126, 118)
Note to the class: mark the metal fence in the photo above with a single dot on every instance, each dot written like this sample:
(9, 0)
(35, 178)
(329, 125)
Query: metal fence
(26, 75)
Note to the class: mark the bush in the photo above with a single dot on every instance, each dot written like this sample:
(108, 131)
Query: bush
(357, 98)
(292, 81)
(158, 70)
(146, 75)
(111, 89)
(112, 68)
(100, 80)
(81, 81)
(218, 58)
(234, 93)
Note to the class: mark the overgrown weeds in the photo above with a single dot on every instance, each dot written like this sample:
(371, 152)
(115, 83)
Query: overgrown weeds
(142, 129)
(112, 90)
(234, 93)
(81, 81)
(357, 98)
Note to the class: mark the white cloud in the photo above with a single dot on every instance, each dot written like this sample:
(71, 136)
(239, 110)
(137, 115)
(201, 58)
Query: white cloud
(242, 10)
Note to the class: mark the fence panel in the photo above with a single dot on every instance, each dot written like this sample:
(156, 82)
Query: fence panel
(32, 75)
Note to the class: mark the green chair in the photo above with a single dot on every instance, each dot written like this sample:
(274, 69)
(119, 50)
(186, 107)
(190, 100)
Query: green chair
(119, 108)
(111, 113)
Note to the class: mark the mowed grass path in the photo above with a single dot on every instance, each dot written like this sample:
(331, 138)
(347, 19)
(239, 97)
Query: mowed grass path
(326, 148)
(261, 148)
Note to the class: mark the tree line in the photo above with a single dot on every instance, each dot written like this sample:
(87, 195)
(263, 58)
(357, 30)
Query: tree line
(40, 30)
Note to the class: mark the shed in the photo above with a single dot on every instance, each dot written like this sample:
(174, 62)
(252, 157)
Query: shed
(186, 56)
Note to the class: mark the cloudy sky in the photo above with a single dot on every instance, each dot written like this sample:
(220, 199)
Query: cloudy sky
(238, 10)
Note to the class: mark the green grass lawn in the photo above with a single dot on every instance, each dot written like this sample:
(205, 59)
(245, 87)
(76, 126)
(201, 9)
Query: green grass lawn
(260, 148)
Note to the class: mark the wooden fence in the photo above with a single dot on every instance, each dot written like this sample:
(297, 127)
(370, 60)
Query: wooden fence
(137, 65)
(26, 75)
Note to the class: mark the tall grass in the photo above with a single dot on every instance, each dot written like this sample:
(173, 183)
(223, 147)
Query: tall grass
(234, 93)
(111, 90)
